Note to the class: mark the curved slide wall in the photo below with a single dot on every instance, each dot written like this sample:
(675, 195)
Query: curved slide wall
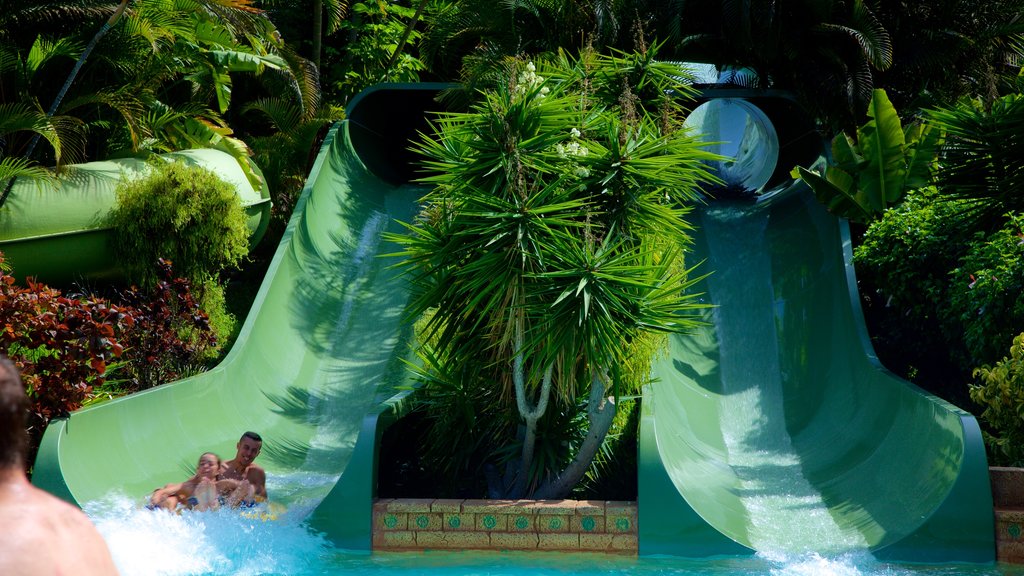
(317, 362)
(775, 428)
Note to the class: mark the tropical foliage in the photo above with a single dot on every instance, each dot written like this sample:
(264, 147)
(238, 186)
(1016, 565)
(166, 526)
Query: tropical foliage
(551, 242)
(163, 78)
(999, 389)
(943, 51)
(871, 173)
(190, 216)
(981, 163)
(72, 348)
(825, 51)
(373, 54)
(184, 213)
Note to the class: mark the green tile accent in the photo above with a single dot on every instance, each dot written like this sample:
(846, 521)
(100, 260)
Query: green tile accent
(588, 523)
(1014, 531)
(490, 522)
(521, 523)
(422, 521)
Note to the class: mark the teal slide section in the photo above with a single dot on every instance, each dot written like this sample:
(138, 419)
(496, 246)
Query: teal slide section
(775, 415)
(775, 428)
(317, 366)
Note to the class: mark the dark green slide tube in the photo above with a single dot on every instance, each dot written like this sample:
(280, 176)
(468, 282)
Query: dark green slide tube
(776, 429)
(318, 365)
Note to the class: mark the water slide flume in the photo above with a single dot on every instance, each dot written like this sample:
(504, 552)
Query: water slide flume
(776, 413)
(776, 429)
(317, 361)
(60, 235)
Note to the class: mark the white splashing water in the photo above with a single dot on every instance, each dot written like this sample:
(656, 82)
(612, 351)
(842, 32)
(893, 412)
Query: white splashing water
(158, 543)
(788, 517)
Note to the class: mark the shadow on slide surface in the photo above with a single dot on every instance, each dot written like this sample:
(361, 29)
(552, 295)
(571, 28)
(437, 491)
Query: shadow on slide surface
(776, 429)
(317, 367)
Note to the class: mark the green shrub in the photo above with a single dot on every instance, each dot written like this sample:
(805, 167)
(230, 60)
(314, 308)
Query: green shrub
(61, 345)
(1000, 389)
(907, 255)
(942, 295)
(171, 335)
(186, 214)
(985, 304)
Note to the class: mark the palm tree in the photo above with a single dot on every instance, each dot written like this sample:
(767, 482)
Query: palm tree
(312, 12)
(551, 242)
(980, 161)
(162, 78)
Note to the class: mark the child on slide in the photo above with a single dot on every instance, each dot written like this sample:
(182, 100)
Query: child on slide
(202, 491)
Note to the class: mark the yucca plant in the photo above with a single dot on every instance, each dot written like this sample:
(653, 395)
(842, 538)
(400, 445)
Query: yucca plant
(553, 238)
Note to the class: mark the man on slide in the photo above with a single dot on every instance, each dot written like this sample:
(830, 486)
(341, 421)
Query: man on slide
(251, 478)
(42, 535)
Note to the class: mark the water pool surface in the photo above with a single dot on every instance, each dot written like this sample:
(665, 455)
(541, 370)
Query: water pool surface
(222, 543)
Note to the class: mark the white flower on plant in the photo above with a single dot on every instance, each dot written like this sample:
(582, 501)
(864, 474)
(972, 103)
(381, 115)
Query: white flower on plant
(582, 172)
(575, 132)
(529, 80)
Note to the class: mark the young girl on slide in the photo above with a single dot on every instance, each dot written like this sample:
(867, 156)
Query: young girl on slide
(202, 491)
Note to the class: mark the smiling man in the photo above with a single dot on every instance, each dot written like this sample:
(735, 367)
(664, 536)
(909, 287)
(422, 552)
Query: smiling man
(242, 469)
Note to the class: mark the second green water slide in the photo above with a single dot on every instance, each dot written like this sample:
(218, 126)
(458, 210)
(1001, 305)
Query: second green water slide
(782, 381)
(776, 429)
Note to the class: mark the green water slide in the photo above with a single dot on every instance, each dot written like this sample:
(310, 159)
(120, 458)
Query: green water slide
(776, 429)
(318, 362)
(775, 413)
(61, 235)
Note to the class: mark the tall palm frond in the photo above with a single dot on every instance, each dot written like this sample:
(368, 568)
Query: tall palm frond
(63, 133)
(982, 159)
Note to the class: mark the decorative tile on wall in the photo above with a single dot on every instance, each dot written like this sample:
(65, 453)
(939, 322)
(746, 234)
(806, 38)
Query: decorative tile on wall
(563, 525)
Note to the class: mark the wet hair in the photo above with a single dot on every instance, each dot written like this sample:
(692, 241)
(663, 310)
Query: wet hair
(253, 436)
(14, 407)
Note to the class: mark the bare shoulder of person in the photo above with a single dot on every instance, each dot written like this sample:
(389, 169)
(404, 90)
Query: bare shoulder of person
(54, 537)
(84, 548)
(32, 534)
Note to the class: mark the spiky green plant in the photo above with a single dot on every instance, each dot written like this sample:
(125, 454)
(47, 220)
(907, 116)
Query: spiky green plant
(553, 238)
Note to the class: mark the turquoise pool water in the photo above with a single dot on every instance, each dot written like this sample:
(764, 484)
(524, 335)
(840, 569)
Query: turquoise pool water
(146, 543)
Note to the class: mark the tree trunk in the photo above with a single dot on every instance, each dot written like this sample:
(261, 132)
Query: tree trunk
(600, 413)
(318, 29)
(405, 38)
(530, 414)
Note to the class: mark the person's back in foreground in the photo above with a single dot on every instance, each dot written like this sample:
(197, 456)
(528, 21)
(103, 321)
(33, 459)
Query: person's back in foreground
(41, 533)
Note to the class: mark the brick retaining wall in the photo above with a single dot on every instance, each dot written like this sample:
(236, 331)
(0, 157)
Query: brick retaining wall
(563, 525)
(1008, 499)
